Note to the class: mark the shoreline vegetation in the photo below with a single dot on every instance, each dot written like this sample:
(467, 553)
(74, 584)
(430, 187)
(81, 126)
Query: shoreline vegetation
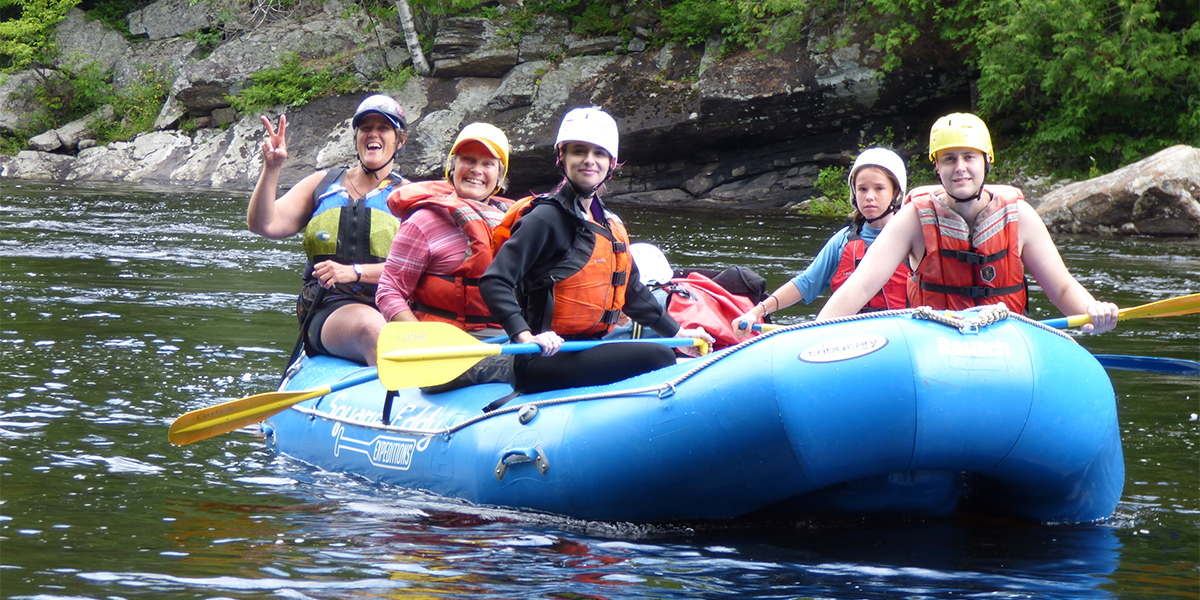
(1071, 97)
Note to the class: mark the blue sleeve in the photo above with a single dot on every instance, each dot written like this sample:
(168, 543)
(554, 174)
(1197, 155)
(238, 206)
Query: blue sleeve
(815, 279)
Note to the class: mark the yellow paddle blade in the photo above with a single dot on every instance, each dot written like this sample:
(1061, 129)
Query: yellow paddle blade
(426, 353)
(1171, 307)
(203, 423)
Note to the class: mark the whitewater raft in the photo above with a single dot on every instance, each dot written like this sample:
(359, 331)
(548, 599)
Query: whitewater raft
(908, 412)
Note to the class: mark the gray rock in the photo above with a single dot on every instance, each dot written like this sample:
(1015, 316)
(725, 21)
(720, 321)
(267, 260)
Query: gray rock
(659, 198)
(1159, 195)
(163, 57)
(83, 41)
(29, 164)
(224, 116)
(17, 111)
(374, 61)
(472, 47)
(202, 86)
(609, 44)
(171, 18)
(66, 139)
(519, 86)
(697, 127)
(172, 112)
(545, 40)
(47, 141)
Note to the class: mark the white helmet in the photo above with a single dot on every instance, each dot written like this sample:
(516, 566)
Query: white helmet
(888, 161)
(651, 263)
(590, 125)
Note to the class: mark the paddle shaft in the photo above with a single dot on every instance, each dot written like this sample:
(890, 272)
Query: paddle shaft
(203, 423)
(424, 354)
(1171, 307)
(406, 354)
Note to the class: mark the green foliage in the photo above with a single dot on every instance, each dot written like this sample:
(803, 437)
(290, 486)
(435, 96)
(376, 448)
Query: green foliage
(28, 37)
(396, 79)
(291, 84)
(444, 8)
(12, 142)
(69, 93)
(832, 197)
(134, 108)
(207, 39)
(1103, 80)
(555, 7)
(112, 13)
(1112, 82)
(597, 20)
(691, 21)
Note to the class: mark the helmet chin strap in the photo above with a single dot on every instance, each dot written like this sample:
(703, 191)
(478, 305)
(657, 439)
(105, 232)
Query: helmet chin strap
(363, 165)
(891, 209)
(372, 172)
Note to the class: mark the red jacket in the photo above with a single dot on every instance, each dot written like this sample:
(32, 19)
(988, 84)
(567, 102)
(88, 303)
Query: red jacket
(453, 298)
(969, 266)
(894, 294)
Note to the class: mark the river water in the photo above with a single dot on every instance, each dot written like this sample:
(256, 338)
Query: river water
(123, 308)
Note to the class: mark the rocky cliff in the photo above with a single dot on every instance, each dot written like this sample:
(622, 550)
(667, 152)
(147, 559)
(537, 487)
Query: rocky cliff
(699, 128)
(751, 128)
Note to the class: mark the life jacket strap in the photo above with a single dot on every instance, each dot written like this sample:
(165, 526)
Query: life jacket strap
(974, 258)
(974, 291)
(449, 315)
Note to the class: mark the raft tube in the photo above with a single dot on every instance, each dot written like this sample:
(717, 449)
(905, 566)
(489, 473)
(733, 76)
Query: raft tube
(895, 413)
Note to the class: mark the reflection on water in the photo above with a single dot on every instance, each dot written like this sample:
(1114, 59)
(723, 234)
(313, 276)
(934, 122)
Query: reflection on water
(123, 308)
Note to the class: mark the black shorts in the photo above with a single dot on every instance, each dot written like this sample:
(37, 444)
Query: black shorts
(312, 335)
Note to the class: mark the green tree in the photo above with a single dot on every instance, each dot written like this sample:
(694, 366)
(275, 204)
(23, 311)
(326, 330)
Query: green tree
(1115, 81)
(27, 30)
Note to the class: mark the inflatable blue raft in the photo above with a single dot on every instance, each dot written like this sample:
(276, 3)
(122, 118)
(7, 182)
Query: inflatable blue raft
(907, 412)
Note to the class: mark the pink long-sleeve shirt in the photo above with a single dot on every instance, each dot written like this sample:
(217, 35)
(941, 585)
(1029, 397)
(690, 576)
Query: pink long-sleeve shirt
(428, 241)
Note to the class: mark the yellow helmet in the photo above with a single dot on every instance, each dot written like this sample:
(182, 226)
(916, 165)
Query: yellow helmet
(960, 130)
(488, 135)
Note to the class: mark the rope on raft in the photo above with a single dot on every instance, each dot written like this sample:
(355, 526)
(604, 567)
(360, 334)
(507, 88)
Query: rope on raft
(966, 322)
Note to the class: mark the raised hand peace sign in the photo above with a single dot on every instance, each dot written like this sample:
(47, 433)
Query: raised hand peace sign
(275, 146)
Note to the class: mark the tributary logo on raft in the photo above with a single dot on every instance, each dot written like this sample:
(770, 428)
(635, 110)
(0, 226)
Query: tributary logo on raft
(844, 348)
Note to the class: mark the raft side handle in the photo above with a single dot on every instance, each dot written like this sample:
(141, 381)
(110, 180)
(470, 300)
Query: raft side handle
(514, 456)
(527, 413)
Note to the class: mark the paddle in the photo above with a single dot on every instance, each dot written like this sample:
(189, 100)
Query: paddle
(428, 353)
(203, 423)
(1150, 364)
(1171, 307)
(1143, 364)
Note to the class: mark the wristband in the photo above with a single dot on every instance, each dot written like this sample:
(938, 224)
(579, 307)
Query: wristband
(763, 304)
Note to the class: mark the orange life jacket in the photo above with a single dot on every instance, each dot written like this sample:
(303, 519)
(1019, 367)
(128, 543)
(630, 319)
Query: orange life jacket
(894, 294)
(582, 295)
(453, 298)
(965, 267)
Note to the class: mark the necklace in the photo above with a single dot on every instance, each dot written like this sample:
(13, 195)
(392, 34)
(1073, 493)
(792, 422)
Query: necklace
(352, 186)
